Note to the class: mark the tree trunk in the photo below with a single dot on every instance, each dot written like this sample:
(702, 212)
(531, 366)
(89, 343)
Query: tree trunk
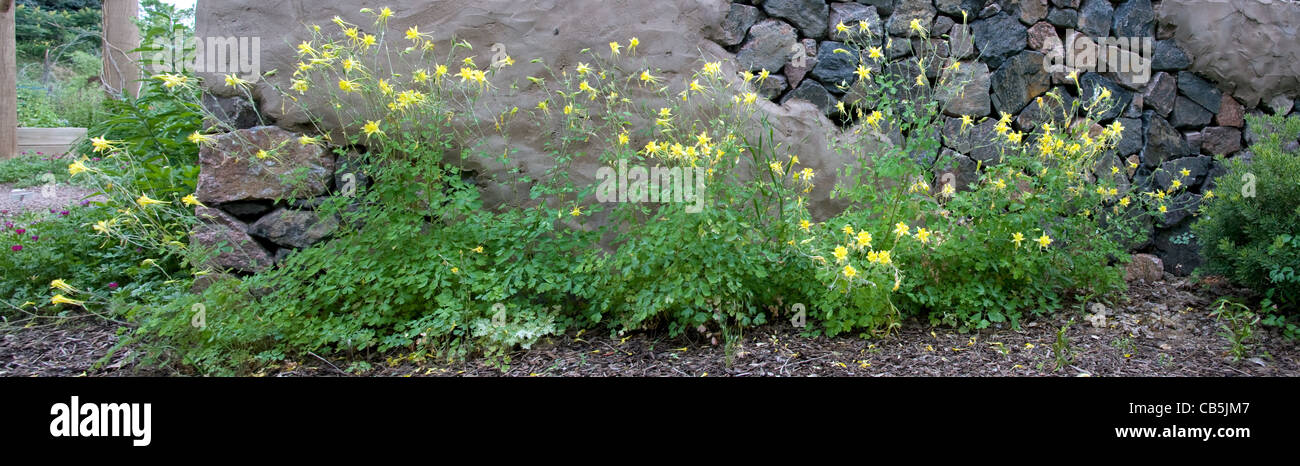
(8, 82)
(121, 70)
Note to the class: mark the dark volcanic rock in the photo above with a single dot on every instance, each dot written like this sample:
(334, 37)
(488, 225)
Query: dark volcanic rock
(851, 14)
(1090, 83)
(1095, 18)
(812, 91)
(1162, 141)
(1166, 55)
(1134, 18)
(1161, 93)
(1188, 114)
(1230, 113)
(973, 98)
(768, 46)
(1068, 19)
(294, 228)
(810, 16)
(1019, 81)
(999, 38)
(1200, 91)
(905, 11)
(833, 68)
(231, 171)
(737, 23)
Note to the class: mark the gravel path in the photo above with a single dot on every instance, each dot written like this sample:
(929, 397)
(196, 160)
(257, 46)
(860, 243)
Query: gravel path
(39, 198)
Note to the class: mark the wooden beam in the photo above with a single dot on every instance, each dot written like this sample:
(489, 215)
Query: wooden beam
(121, 68)
(8, 82)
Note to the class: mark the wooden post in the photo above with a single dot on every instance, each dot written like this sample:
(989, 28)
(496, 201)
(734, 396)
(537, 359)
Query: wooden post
(8, 82)
(121, 69)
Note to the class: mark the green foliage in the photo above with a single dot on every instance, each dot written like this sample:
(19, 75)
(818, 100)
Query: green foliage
(63, 247)
(28, 170)
(40, 30)
(1250, 227)
(1062, 352)
(35, 110)
(1047, 221)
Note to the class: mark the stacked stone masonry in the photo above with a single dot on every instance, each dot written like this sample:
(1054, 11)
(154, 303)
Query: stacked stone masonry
(1186, 112)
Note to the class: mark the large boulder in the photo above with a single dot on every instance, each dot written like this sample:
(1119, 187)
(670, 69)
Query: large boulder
(1200, 91)
(1091, 85)
(1095, 18)
(1247, 46)
(262, 163)
(835, 68)
(1134, 18)
(851, 14)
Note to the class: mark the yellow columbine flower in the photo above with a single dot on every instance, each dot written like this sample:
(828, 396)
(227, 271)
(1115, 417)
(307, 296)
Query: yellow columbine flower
(875, 53)
(371, 128)
(576, 211)
(1044, 241)
(62, 285)
(762, 75)
(873, 257)
(236, 81)
(200, 138)
(805, 225)
(101, 227)
(478, 249)
(300, 85)
(77, 168)
(915, 25)
(841, 253)
(145, 201)
(191, 200)
(966, 121)
(631, 45)
(999, 184)
(413, 34)
(1163, 209)
(849, 271)
(864, 239)
(348, 86)
(848, 230)
(1017, 238)
(306, 140)
(840, 27)
(544, 107)
(923, 235)
(750, 98)
(883, 258)
(172, 80)
(646, 77)
(1209, 194)
(901, 229)
(59, 299)
(713, 68)
(622, 138)
(101, 144)
(614, 48)
(863, 73)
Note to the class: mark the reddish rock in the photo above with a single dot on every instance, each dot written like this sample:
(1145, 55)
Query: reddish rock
(1217, 140)
(230, 169)
(1043, 38)
(235, 249)
(1145, 268)
(794, 74)
(1231, 113)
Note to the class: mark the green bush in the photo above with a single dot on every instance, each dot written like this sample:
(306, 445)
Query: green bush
(1250, 222)
(39, 30)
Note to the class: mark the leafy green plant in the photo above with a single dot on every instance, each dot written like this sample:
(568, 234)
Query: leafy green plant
(1238, 324)
(1250, 224)
(1062, 352)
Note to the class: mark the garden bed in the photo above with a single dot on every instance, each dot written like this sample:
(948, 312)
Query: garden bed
(1164, 329)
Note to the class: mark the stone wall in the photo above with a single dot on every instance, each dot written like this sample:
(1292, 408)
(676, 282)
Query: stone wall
(1177, 120)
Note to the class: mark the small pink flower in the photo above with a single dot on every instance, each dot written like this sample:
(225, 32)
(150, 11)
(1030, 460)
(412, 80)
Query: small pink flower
(63, 213)
(36, 238)
(17, 247)
(20, 231)
(112, 286)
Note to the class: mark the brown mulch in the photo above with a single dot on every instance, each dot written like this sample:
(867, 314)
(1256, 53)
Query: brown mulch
(1163, 329)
